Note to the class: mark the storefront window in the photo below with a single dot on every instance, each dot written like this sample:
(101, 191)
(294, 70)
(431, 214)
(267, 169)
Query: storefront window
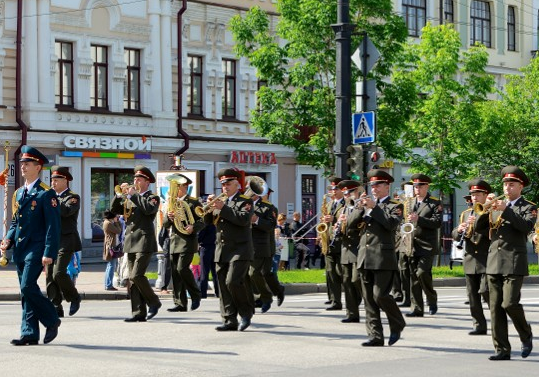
(308, 203)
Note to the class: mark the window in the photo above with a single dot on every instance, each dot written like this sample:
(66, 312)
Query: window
(229, 89)
(194, 90)
(480, 20)
(99, 84)
(63, 89)
(511, 29)
(449, 14)
(132, 86)
(415, 12)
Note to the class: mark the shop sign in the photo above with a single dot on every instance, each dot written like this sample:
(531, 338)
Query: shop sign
(260, 158)
(108, 143)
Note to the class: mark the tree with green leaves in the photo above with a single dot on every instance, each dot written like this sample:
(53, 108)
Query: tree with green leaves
(431, 111)
(297, 60)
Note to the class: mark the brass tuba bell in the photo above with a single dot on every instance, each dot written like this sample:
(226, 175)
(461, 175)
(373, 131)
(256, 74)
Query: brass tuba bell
(183, 216)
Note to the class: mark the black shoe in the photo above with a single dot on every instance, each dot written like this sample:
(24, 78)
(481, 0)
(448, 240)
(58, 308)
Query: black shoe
(335, 307)
(527, 347)
(51, 333)
(350, 320)
(245, 322)
(405, 304)
(152, 311)
(398, 298)
(60, 311)
(258, 303)
(227, 327)
(177, 308)
(280, 296)
(478, 332)
(500, 356)
(329, 302)
(394, 338)
(136, 318)
(75, 305)
(266, 307)
(414, 314)
(433, 309)
(373, 343)
(24, 341)
(195, 304)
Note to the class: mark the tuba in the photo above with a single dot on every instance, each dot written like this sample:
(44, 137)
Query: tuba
(255, 186)
(183, 216)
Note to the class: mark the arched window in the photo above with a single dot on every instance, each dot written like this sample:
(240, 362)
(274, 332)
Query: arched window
(511, 29)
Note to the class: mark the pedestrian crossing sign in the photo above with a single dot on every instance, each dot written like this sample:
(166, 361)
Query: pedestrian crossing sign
(363, 127)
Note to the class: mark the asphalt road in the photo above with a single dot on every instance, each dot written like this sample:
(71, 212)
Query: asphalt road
(298, 339)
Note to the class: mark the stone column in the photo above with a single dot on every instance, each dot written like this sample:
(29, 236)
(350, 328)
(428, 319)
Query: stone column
(46, 82)
(30, 95)
(154, 12)
(166, 56)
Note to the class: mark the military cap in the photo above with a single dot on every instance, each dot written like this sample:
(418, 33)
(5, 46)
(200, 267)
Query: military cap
(375, 176)
(61, 172)
(334, 182)
(179, 178)
(404, 183)
(348, 185)
(479, 185)
(420, 179)
(227, 174)
(467, 197)
(32, 154)
(144, 172)
(514, 174)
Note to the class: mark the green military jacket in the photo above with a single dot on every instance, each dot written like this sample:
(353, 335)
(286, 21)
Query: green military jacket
(476, 246)
(350, 235)
(264, 229)
(426, 239)
(140, 234)
(185, 243)
(377, 236)
(69, 212)
(507, 254)
(335, 242)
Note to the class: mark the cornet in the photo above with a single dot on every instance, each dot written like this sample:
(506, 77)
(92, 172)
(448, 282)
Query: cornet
(207, 208)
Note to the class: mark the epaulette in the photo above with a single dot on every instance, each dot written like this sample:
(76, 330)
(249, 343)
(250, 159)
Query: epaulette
(394, 201)
(529, 201)
(266, 201)
(191, 197)
(434, 198)
(467, 210)
(44, 186)
(72, 193)
(244, 197)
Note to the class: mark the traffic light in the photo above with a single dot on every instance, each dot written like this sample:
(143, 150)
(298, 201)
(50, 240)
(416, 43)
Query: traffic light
(355, 161)
(373, 159)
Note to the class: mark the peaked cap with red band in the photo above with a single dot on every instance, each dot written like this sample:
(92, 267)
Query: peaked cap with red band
(421, 179)
(61, 172)
(375, 176)
(226, 174)
(32, 154)
(479, 185)
(348, 185)
(144, 172)
(334, 182)
(514, 174)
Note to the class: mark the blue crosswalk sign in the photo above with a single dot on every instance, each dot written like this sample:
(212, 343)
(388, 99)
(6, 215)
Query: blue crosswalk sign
(363, 127)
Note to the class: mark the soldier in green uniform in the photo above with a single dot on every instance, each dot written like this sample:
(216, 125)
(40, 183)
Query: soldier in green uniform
(183, 245)
(263, 225)
(427, 220)
(139, 207)
(349, 233)
(507, 263)
(34, 235)
(377, 261)
(333, 256)
(234, 251)
(59, 284)
(472, 234)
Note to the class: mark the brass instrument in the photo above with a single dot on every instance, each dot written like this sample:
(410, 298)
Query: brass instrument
(207, 208)
(536, 246)
(480, 209)
(467, 233)
(183, 216)
(128, 204)
(322, 228)
(4, 175)
(255, 186)
(407, 228)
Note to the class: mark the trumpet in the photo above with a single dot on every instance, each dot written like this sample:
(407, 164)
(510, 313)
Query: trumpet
(118, 190)
(207, 208)
(122, 192)
(480, 209)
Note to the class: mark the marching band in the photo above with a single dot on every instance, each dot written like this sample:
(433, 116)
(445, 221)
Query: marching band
(370, 242)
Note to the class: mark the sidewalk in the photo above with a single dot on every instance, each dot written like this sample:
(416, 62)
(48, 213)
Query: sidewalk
(91, 284)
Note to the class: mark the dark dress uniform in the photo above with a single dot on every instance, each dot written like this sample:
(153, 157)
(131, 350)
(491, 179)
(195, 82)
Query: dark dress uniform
(140, 244)
(34, 233)
(272, 280)
(262, 232)
(507, 264)
(182, 250)
(333, 256)
(349, 233)
(476, 245)
(426, 246)
(59, 284)
(233, 255)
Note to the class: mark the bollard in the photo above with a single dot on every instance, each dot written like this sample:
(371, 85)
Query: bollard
(160, 270)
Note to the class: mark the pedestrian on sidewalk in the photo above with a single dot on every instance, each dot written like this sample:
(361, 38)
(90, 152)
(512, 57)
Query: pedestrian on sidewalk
(112, 230)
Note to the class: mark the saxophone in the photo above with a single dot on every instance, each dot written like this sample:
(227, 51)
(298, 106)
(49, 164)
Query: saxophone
(183, 216)
(536, 246)
(407, 229)
(323, 228)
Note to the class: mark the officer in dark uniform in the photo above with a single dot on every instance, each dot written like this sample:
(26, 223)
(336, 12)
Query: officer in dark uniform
(333, 256)
(377, 260)
(139, 207)
(507, 263)
(234, 251)
(183, 246)
(34, 235)
(263, 225)
(472, 234)
(401, 284)
(427, 219)
(59, 284)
